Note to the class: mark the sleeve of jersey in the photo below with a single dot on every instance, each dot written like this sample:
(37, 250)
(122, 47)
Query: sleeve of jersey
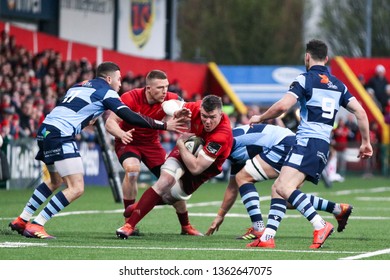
(129, 116)
(297, 87)
(346, 97)
(215, 145)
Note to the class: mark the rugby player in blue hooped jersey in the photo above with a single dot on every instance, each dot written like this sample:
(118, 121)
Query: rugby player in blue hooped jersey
(258, 154)
(82, 104)
(320, 96)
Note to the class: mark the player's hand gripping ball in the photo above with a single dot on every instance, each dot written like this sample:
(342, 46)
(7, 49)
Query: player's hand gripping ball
(194, 144)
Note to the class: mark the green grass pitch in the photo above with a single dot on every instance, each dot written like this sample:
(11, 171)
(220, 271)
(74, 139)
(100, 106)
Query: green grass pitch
(85, 230)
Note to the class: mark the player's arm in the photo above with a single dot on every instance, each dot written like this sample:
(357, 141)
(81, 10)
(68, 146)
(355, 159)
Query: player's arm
(112, 126)
(125, 113)
(365, 150)
(227, 203)
(276, 110)
(171, 106)
(174, 108)
(196, 165)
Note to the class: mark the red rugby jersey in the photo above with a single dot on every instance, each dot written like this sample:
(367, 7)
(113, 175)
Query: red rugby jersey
(218, 142)
(136, 100)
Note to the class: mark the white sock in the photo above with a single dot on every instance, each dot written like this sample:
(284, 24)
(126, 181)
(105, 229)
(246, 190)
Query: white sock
(26, 215)
(258, 226)
(318, 222)
(40, 219)
(267, 234)
(337, 209)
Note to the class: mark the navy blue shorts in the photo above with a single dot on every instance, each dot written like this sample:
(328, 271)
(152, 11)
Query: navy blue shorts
(276, 156)
(54, 147)
(309, 156)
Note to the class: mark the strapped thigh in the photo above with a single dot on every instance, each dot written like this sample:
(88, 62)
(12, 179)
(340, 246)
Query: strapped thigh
(253, 167)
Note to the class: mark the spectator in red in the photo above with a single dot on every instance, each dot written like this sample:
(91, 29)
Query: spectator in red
(340, 137)
(15, 127)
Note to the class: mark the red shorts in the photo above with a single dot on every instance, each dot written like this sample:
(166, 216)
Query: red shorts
(151, 154)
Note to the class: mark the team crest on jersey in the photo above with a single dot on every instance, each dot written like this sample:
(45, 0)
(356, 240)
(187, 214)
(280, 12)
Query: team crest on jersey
(213, 148)
(86, 83)
(325, 80)
(141, 21)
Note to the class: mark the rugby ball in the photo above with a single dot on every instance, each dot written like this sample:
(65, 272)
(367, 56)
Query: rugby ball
(194, 144)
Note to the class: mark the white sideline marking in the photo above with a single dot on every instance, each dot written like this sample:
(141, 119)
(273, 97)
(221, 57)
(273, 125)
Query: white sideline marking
(363, 198)
(367, 255)
(374, 190)
(18, 244)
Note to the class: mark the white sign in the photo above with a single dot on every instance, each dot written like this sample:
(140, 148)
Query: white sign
(142, 28)
(88, 22)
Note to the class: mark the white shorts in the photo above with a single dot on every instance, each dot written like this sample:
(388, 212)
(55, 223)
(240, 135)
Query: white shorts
(173, 167)
(67, 166)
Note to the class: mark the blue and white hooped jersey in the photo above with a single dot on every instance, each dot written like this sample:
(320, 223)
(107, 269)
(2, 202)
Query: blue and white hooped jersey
(82, 103)
(320, 96)
(251, 141)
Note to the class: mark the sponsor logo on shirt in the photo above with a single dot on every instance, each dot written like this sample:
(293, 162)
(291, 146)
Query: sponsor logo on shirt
(213, 148)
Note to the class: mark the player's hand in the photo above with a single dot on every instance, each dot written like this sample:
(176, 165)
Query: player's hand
(254, 119)
(127, 136)
(177, 125)
(183, 113)
(215, 225)
(365, 151)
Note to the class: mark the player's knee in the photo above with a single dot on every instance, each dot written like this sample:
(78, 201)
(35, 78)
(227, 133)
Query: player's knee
(167, 179)
(164, 183)
(241, 178)
(132, 170)
(76, 191)
(280, 190)
(167, 198)
(55, 181)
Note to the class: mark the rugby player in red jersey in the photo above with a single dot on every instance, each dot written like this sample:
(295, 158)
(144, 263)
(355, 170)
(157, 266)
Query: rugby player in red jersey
(183, 173)
(134, 144)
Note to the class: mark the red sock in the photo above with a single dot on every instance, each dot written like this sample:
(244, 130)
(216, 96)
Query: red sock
(183, 218)
(146, 203)
(127, 202)
(129, 210)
